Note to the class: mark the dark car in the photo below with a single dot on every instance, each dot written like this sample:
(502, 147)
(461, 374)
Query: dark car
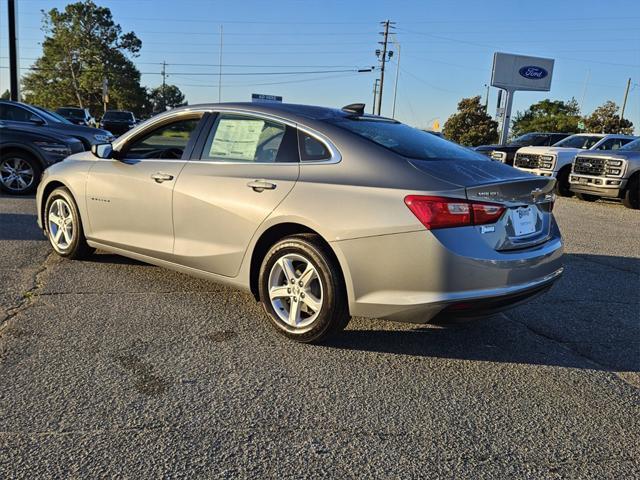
(506, 153)
(37, 120)
(79, 116)
(26, 152)
(118, 121)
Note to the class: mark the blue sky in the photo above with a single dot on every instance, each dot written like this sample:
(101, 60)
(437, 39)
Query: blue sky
(446, 49)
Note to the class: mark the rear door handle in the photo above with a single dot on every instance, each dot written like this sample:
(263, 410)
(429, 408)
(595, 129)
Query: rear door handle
(260, 185)
(160, 177)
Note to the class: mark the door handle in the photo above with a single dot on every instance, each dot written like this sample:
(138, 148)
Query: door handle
(160, 177)
(260, 185)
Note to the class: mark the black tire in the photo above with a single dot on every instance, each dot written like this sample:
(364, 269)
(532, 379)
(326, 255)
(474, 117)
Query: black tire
(586, 197)
(562, 183)
(77, 247)
(333, 315)
(8, 160)
(631, 198)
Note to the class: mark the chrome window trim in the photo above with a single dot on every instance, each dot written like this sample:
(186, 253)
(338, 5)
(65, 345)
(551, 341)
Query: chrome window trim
(336, 156)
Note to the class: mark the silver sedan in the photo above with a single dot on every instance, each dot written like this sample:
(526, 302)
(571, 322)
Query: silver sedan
(321, 213)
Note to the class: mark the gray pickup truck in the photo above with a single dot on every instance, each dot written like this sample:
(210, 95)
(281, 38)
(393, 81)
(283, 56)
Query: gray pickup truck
(608, 174)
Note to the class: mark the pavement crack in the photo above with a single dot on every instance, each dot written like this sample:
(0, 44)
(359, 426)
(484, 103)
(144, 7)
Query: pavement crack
(29, 295)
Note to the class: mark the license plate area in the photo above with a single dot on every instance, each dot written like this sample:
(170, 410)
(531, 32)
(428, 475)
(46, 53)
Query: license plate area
(523, 220)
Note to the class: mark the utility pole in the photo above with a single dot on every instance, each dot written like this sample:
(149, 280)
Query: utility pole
(624, 102)
(14, 71)
(486, 100)
(164, 85)
(375, 95)
(220, 69)
(383, 57)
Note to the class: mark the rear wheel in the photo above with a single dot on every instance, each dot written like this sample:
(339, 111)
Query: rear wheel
(302, 290)
(19, 173)
(631, 198)
(586, 197)
(64, 226)
(562, 183)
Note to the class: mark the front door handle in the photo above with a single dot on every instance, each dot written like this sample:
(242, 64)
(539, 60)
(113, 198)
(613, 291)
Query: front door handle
(160, 177)
(261, 185)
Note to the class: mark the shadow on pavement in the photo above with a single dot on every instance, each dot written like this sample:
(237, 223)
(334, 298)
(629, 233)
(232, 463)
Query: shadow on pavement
(19, 226)
(590, 319)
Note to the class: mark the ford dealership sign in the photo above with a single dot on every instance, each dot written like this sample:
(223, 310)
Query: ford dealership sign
(521, 72)
(533, 72)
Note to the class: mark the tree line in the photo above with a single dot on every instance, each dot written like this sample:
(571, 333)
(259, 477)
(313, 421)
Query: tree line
(83, 50)
(471, 125)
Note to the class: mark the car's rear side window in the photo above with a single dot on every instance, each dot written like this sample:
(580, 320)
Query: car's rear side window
(405, 140)
(312, 149)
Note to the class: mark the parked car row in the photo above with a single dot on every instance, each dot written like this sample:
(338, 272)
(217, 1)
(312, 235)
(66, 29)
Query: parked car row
(32, 138)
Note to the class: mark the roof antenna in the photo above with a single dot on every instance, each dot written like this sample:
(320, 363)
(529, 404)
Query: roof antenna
(357, 108)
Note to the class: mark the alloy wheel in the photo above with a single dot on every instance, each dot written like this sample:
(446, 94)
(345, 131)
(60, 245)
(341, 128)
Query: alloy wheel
(16, 174)
(61, 225)
(295, 291)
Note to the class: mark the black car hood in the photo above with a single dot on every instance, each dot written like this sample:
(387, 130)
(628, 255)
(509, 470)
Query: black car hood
(467, 173)
(72, 129)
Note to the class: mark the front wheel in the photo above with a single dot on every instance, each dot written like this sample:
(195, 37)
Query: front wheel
(64, 226)
(562, 183)
(631, 198)
(302, 290)
(19, 173)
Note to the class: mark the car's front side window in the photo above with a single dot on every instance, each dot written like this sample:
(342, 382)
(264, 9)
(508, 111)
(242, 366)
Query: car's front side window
(244, 138)
(166, 142)
(14, 113)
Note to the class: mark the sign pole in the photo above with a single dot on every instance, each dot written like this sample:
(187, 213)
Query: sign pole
(506, 118)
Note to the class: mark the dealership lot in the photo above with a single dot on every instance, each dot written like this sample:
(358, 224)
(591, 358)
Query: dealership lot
(113, 367)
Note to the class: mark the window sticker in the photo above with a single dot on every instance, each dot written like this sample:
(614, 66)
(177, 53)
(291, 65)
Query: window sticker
(236, 139)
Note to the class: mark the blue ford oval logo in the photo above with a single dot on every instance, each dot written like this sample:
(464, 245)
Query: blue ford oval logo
(533, 72)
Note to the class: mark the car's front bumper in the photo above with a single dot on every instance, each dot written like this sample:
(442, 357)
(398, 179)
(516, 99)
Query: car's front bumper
(415, 276)
(539, 171)
(595, 185)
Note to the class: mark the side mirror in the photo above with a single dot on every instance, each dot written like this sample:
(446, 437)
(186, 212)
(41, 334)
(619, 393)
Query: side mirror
(102, 150)
(36, 120)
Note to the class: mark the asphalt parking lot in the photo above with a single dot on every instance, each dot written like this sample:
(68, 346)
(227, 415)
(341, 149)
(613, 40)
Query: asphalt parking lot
(111, 367)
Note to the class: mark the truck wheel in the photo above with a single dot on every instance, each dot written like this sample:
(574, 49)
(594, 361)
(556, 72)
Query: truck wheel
(631, 198)
(562, 183)
(586, 197)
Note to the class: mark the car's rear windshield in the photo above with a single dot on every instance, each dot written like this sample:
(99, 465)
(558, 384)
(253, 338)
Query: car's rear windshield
(579, 141)
(71, 112)
(405, 140)
(633, 146)
(118, 116)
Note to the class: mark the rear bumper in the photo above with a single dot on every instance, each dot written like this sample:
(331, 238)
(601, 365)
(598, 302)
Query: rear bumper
(414, 276)
(601, 186)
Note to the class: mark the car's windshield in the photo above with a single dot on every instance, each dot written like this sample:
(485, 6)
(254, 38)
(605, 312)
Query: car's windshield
(71, 112)
(632, 146)
(50, 116)
(405, 140)
(118, 116)
(584, 142)
(527, 138)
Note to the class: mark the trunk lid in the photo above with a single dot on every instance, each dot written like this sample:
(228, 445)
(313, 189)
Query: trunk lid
(528, 199)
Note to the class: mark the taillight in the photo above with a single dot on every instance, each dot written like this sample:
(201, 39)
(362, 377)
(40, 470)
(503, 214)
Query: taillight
(442, 212)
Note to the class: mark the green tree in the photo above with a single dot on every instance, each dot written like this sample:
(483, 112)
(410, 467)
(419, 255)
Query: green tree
(167, 96)
(471, 125)
(547, 116)
(605, 119)
(6, 95)
(83, 47)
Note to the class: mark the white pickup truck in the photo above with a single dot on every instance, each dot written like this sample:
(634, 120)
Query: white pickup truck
(556, 161)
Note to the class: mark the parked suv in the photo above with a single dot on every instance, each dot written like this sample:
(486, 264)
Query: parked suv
(22, 116)
(25, 153)
(609, 175)
(555, 161)
(118, 121)
(505, 153)
(79, 116)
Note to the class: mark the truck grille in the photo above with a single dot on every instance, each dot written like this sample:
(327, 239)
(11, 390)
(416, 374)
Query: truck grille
(590, 165)
(527, 160)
